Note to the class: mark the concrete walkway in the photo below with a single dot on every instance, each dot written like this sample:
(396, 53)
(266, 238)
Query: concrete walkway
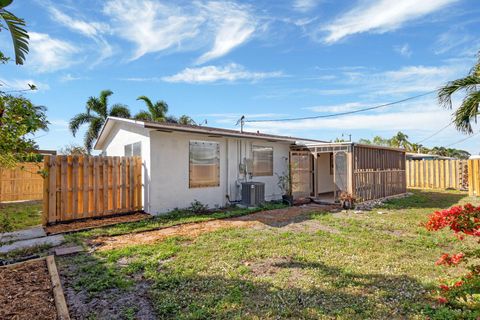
(30, 243)
(32, 233)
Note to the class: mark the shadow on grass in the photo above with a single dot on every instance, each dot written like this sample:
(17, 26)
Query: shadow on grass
(346, 295)
(427, 199)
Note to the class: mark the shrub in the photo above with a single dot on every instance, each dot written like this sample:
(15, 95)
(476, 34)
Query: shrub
(464, 222)
(198, 207)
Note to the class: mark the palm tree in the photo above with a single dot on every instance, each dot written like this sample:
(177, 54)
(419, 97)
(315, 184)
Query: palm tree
(469, 109)
(400, 140)
(156, 112)
(184, 119)
(16, 27)
(97, 112)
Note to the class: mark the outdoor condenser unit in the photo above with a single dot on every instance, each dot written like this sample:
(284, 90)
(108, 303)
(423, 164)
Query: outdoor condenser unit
(253, 193)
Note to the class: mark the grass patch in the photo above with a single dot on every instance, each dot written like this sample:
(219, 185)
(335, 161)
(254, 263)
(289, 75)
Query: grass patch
(376, 266)
(16, 216)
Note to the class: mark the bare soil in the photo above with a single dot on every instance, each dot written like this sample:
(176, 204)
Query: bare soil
(111, 304)
(26, 292)
(95, 223)
(277, 218)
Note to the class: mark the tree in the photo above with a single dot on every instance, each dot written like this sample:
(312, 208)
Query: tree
(156, 111)
(400, 140)
(97, 112)
(19, 35)
(74, 150)
(19, 117)
(184, 119)
(469, 108)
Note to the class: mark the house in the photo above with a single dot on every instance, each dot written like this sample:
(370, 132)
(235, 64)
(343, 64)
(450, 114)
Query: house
(426, 156)
(183, 163)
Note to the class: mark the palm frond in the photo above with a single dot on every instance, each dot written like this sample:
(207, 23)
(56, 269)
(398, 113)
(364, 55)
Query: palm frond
(94, 104)
(467, 112)
(143, 116)
(147, 101)
(469, 83)
(92, 133)
(103, 98)
(119, 110)
(78, 120)
(19, 34)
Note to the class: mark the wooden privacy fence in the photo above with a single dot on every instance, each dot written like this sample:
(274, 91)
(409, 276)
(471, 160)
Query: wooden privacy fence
(437, 174)
(22, 182)
(474, 177)
(78, 187)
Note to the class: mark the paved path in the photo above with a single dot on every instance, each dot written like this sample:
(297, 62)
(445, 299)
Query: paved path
(25, 234)
(30, 243)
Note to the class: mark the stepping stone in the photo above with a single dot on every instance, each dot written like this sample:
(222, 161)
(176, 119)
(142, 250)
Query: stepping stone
(30, 243)
(25, 234)
(62, 251)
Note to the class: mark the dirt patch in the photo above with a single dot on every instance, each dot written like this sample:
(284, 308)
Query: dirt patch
(272, 266)
(26, 292)
(271, 218)
(108, 304)
(95, 223)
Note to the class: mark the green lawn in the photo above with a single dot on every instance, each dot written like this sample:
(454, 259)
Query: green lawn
(342, 265)
(22, 215)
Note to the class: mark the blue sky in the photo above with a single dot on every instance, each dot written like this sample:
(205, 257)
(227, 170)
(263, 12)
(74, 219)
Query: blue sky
(218, 60)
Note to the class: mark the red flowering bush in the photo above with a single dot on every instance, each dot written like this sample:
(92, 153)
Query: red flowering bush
(463, 221)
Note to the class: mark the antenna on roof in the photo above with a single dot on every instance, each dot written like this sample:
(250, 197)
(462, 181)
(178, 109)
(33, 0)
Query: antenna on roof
(203, 122)
(241, 122)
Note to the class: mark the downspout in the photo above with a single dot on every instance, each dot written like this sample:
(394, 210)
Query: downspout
(227, 187)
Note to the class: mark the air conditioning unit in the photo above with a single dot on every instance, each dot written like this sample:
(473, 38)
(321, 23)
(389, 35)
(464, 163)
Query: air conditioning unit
(253, 193)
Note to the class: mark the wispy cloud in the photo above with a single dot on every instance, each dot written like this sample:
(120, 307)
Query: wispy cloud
(69, 77)
(232, 24)
(343, 107)
(151, 25)
(379, 16)
(304, 5)
(232, 118)
(21, 84)
(403, 50)
(157, 27)
(49, 54)
(91, 29)
(231, 72)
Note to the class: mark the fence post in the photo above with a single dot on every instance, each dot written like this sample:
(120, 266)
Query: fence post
(46, 177)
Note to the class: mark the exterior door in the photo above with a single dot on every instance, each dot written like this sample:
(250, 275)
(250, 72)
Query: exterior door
(301, 174)
(340, 177)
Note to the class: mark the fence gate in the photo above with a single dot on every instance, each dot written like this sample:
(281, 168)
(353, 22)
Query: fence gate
(24, 182)
(78, 187)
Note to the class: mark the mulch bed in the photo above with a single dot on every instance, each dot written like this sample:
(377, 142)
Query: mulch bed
(26, 291)
(95, 223)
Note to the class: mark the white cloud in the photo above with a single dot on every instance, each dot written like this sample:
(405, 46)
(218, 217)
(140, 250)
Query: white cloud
(69, 77)
(157, 27)
(233, 25)
(49, 54)
(343, 107)
(232, 118)
(152, 26)
(403, 50)
(21, 84)
(93, 30)
(304, 5)
(231, 72)
(379, 16)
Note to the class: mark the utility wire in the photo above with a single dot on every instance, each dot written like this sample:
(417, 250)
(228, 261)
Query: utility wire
(451, 144)
(347, 112)
(436, 132)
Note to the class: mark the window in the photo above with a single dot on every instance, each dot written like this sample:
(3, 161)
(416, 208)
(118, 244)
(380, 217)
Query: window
(204, 164)
(133, 149)
(262, 161)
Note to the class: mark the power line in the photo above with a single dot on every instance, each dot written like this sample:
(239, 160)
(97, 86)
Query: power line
(347, 112)
(451, 144)
(436, 132)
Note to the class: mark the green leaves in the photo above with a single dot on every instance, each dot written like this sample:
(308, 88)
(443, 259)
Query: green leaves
(4, 3)
(19, 35)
